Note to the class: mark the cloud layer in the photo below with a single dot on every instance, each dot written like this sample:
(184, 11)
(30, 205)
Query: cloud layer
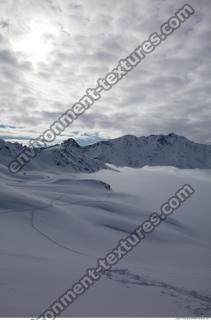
(51, 51)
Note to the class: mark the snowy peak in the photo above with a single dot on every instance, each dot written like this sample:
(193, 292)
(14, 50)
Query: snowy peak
(9, 150)
(129, 150)
(154, 150)
(70, 143)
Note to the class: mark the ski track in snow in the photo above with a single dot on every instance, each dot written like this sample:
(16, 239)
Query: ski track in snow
(32, 213)
(200, 305)
(58, 207)
(33, 225)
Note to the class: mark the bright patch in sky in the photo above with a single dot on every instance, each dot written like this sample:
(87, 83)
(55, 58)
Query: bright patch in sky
(51, 51)
(36, 42)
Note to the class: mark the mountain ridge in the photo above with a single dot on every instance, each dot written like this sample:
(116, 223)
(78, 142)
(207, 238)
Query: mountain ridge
(126, 151)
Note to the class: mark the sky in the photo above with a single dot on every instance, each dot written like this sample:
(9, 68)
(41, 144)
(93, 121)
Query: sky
(51, 51)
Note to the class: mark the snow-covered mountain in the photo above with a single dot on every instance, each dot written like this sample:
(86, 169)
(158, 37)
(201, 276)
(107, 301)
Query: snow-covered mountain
(154, 150)
(129, 151)
(67, 155)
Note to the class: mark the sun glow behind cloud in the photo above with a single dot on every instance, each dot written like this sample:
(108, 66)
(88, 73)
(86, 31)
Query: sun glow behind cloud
(51, 51)
(36, 42)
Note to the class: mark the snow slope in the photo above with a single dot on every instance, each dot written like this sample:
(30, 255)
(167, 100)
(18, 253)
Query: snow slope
(53, 226)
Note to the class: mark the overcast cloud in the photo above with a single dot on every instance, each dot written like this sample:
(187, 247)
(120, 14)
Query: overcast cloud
(51, 51)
